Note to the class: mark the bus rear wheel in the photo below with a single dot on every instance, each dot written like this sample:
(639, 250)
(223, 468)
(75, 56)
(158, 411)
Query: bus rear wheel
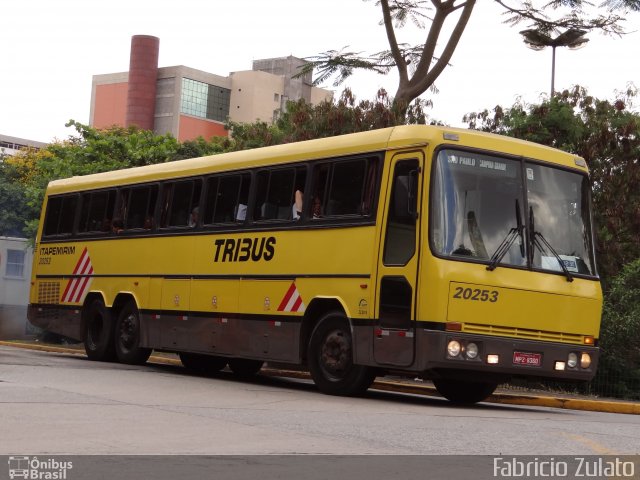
(127, 341)
(98, 332)
(244, 368)
(206, 364)
(330, 358)
(464, 392)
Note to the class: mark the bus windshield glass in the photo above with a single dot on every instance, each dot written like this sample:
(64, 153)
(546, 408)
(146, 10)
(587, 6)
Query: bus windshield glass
(480, 213)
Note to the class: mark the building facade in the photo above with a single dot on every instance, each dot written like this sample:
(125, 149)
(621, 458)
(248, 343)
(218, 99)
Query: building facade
(12, 145)
(189, 103)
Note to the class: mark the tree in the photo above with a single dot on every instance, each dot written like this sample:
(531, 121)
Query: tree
(418, 66)
(607, 135)
(13, 205)
(619, 369)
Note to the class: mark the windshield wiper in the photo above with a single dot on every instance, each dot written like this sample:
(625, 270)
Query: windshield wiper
(536, 238)
(505, 245)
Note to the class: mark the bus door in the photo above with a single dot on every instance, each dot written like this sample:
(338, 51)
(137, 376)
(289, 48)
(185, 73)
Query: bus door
(394, 334)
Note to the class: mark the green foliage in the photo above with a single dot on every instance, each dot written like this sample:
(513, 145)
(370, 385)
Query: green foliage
(13, 202)
(245, 136)
(607, 135)
(201, 148)
(619, 370)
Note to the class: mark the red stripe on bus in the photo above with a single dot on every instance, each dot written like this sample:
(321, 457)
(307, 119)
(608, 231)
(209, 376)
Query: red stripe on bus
(287, 297)
(86, 266)
(75, 271)
(296, 305)
(83, 287)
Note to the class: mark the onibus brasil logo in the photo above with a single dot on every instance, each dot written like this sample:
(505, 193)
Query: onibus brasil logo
(38, 469)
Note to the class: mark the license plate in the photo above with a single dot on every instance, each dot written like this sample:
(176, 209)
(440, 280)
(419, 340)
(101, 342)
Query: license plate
(527, 359)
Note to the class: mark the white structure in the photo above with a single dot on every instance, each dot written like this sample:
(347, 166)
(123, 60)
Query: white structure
(16, 258)
(12, 145)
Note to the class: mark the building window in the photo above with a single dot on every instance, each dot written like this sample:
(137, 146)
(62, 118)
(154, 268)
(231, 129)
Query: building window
(15, 263)
(205, 101)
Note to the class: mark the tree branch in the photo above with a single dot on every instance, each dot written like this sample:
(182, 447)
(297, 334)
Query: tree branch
(425, 76)
(401, 64)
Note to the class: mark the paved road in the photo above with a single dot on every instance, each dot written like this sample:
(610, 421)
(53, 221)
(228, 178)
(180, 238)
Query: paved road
(65, 404)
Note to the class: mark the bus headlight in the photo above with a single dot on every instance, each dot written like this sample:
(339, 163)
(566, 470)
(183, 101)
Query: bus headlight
(585, 360)
(453, 348)
(471, 351)
(572, 360)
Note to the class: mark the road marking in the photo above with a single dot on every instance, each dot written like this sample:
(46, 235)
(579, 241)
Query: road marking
(592, 444)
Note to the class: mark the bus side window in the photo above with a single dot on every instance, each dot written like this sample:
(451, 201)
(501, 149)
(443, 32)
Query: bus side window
(275, 198)
(226, 199)
(180, 203)
(141, 207)
(346, 188)
(60, 216)
(96, 211)
(319, 190)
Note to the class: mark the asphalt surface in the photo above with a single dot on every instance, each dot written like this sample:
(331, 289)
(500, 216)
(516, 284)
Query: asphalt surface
(570, 402)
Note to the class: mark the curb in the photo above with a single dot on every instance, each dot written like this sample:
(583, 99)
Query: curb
(605, 406)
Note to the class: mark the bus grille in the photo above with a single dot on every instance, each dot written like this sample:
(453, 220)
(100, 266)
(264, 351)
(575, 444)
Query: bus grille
(49, 292)
(523, 333)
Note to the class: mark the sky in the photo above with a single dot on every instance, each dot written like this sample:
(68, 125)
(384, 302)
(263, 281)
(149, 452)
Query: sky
(50, 49)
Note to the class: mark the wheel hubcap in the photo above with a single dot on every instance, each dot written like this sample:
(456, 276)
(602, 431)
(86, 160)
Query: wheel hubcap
(128, 331)
(335, 355)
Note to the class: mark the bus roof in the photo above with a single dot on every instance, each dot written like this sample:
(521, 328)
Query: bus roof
(355, 143)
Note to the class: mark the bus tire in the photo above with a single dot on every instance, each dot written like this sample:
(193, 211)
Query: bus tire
(245, 368)
(330, 358)
(127, 337)
(98, 332)
(464, 392)
(206, 364)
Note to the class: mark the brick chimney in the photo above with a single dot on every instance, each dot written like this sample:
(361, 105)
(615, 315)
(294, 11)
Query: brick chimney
(143, 74)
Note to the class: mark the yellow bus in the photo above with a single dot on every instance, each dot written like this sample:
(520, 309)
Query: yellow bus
(459, 256)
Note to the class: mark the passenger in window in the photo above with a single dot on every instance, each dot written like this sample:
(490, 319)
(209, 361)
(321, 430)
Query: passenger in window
(148, 223)
(241, 212)
(117, 226)
(193, 219)
(297, 205)
(316, 208)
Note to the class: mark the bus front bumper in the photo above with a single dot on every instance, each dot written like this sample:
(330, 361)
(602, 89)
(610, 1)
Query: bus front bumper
(447, 352)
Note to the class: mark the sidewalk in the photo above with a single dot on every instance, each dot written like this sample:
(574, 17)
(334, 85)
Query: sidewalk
(501, 396)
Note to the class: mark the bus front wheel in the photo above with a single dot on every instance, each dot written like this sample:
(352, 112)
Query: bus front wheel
(330, 358)
(464, 392)
(127, 339)
(98, 332)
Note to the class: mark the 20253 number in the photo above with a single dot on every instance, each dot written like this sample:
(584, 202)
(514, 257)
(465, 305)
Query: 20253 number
(476, 294)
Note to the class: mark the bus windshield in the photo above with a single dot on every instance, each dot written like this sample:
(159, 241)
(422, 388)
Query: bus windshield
(480, 212)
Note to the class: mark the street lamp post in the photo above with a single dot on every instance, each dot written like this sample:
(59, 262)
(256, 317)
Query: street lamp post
(536, 40)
